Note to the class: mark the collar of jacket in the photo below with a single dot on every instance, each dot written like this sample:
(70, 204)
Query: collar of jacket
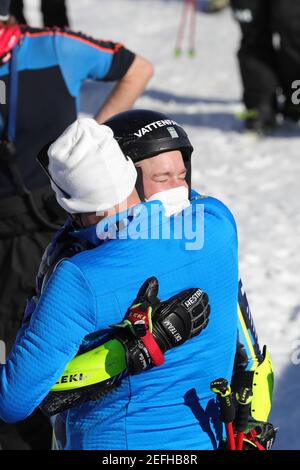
(121, 225)
(194, 194)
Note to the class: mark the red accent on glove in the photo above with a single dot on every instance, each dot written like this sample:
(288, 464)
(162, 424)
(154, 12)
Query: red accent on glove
(136, 315)
(139, 316)
(156, 354)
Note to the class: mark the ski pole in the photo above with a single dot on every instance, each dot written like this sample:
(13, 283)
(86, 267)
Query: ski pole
(223, 391)
(244, 398)
(192, 47)
(184, 12)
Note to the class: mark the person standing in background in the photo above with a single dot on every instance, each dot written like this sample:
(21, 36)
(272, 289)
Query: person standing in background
(269, 59)
(54, 12)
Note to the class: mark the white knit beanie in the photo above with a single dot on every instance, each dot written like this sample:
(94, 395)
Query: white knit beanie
(87, 163)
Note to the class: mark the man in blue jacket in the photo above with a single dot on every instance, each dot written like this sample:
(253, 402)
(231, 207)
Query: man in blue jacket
(92, 290)
(162, 153)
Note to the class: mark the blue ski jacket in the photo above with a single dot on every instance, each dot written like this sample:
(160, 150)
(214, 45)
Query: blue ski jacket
(169, 407)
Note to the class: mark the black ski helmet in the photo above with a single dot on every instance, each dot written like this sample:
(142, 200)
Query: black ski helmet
(144, 134)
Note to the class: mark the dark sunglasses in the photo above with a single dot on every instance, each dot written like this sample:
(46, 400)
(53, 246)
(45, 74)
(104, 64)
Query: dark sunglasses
(43, 160)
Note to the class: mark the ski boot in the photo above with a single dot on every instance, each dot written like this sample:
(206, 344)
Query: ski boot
(261, 120)
(213, 6)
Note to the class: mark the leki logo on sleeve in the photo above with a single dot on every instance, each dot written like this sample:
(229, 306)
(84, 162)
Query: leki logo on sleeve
(71, 378)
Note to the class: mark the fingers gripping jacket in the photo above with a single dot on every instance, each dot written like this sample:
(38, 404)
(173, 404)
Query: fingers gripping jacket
(175, 321)
(181, 317)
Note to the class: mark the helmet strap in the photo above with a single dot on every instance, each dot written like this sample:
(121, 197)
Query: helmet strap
(139, 185)
(188, 177)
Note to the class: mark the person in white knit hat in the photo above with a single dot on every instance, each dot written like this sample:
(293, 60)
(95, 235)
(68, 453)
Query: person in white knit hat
(90, 175)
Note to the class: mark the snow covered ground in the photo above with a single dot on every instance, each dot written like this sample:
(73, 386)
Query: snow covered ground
(257, 178)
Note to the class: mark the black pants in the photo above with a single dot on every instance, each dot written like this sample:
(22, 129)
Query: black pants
(54, 12)
(22, 243)
(264, 67)
(35, 433)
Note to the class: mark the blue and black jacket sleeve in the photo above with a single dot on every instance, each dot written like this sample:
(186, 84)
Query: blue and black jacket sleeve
(98, 59)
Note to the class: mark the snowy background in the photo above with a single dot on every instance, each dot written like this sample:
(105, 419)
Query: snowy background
(257, 178)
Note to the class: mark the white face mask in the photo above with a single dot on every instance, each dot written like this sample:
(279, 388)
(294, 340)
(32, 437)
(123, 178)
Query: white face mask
(174, 200)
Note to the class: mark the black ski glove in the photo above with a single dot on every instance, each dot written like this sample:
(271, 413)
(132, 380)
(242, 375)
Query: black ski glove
(181, 317)
(170, 323)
